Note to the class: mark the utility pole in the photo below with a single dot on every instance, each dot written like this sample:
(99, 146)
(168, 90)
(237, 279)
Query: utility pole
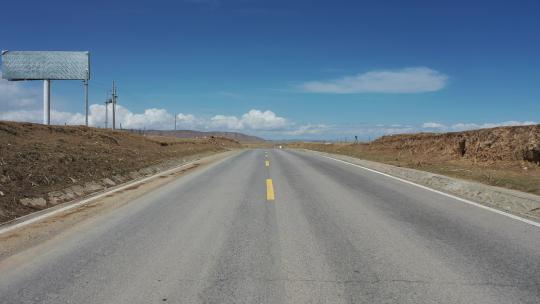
(106, 112)
(107, 102)
(85, 83)
(175, 115)
(113, 98)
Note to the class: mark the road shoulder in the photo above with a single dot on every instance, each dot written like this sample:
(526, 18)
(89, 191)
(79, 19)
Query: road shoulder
(55, 221)
(513, 202)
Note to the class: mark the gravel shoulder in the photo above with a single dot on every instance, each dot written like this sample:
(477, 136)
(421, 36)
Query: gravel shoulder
(80, 218)
(512, 201)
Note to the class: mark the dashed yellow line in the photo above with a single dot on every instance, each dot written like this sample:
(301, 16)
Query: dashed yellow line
(267, 163)
(270, 190)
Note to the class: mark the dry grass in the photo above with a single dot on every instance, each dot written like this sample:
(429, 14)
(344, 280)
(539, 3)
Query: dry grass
(37, 159)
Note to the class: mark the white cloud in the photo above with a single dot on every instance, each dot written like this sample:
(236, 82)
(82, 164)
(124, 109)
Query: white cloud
(407, 80)
(186, 121)
(473, 126)
(154, 118)
(433, 125)
(57, 117)
(149, 119)
(226, 122)
(263, 123)
(252, 120)
(373, 131)
(17, 95)
(267, 120)
(342, 131)
(22, 102)
(308, 129)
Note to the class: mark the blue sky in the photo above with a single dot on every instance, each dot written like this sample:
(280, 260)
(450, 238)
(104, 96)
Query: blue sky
(287, 69)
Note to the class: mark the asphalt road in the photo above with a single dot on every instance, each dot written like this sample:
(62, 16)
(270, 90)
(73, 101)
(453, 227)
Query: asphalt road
(334, 233)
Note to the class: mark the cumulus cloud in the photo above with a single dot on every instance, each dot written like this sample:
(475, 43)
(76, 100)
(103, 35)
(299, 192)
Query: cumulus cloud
(252, 120)
(57, 117)
(472, 126)
(342, 132)
(263, 123)
(154, 118)
(149, 119)
(407, 80)
(16, 95)
(20, 103)
(432, 125)
(259, 120)
(347, 132)
(307, 129)
(226, 122)
(186, 120)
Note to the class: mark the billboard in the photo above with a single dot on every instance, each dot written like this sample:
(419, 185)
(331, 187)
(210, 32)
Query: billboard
(52, 65)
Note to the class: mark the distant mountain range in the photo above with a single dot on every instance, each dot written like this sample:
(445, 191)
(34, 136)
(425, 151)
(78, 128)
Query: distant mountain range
(240, 137)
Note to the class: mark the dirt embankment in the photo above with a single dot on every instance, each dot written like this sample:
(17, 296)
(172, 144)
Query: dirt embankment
(505, 156)
(485, 145)
(36, 160)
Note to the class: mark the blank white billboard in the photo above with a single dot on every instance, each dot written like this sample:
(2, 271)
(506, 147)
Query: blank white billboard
(38, 65)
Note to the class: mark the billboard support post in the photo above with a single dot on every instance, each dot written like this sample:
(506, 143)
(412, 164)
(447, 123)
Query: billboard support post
(46, 102)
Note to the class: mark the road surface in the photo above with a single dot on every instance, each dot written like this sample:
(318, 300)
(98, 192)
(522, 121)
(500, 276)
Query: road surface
(292, 227)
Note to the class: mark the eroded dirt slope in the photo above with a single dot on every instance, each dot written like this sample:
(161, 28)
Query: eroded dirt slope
(496, 144)
(37, 159)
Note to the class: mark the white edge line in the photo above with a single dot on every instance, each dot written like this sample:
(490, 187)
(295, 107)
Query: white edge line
(440, 192)
(88, 200)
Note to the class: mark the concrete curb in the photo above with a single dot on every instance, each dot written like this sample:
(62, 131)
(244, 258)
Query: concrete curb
(77, 191)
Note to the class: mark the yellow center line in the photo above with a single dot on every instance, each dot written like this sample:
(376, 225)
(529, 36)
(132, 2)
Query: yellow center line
(269, 190)
(267, 163)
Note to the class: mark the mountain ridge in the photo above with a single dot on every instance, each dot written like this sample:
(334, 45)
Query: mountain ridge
(240, 137)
